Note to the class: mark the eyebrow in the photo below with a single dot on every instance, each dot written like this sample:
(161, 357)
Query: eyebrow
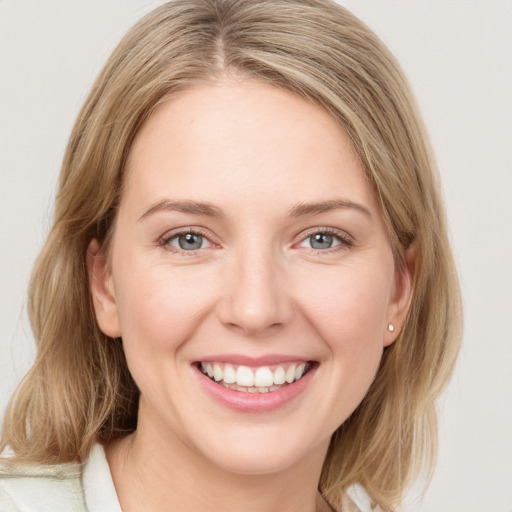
(210, 210)
(327, 206)
(192, 207)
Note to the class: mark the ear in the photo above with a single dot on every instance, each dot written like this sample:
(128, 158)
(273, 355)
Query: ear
(102, 291)
(401, 297)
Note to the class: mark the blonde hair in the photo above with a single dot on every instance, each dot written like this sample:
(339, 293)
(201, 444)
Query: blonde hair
(79, 390)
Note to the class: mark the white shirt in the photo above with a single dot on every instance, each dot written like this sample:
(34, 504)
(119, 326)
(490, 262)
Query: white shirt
(76, 487)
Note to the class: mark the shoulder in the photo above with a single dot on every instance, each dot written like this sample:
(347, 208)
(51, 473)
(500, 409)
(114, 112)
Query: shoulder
(86, 487)
(31, 487)
(357, 500)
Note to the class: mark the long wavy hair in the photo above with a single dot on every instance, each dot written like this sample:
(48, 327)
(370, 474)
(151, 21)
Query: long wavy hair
(79, 390)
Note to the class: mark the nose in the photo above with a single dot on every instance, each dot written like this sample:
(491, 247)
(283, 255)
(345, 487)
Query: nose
(256, 299)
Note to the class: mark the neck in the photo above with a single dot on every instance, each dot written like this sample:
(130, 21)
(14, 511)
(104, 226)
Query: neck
(160, 473)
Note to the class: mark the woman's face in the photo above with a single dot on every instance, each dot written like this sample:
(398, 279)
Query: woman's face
(248, 246)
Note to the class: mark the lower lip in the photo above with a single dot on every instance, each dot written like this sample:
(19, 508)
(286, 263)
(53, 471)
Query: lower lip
(255, 402)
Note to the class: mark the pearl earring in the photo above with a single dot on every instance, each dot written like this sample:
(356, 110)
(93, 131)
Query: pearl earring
(391, 328)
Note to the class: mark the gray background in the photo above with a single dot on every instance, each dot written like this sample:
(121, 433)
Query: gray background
(456, 53)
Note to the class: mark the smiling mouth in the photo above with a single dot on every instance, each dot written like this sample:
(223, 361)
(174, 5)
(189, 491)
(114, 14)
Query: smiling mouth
(263, 379)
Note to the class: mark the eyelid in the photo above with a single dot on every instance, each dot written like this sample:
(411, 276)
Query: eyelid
(164, 240)
(346, 239)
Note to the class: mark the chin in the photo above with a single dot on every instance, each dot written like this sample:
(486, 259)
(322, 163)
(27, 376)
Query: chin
(261, 449)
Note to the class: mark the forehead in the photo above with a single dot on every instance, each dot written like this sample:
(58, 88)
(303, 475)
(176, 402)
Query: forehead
(240, 141)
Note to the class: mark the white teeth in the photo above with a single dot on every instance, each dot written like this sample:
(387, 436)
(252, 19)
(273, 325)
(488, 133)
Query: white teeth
(279, 375)
(244, 376)
(209, 369)
(299, 372)
(260, 380)
(229, 374)
(217, 372)
(263, 377)
(290, 374)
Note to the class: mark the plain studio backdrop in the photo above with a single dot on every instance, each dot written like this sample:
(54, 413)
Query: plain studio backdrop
(457, 55)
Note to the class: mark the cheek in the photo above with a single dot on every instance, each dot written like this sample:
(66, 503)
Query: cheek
(159, 308)
(348, 307)
(349, 316)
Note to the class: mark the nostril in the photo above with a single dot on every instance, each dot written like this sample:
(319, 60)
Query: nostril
(254, 327)
(254, 301)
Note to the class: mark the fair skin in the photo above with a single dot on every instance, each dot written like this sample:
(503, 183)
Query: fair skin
(247, 236)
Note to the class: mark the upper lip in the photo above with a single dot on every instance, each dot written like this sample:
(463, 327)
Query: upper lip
(251, 361)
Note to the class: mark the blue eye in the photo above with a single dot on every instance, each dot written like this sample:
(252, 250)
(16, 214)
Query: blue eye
(188, 241)
(324, 240)
(321, 241)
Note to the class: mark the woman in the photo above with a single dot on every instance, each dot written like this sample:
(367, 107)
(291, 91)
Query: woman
(247, 298)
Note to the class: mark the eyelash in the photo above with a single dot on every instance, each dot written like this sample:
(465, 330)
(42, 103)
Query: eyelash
(168, 237)
(346, 241)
